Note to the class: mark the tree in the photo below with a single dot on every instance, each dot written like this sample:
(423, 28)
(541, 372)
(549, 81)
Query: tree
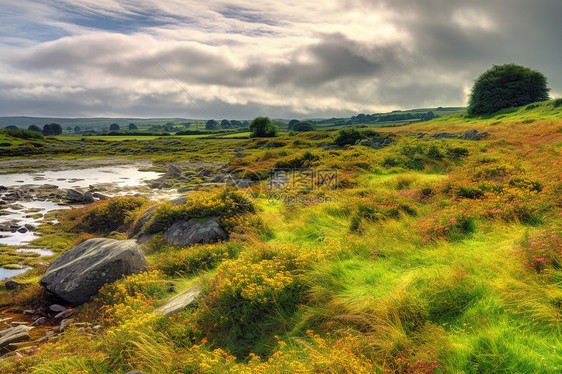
(11, 127)
(303, 126)
(77, 129)
(212, 125)
(225, 124)
(52, 129)
(34, 128)
(261, 127)
(292, 123)
(506, 86)
(114, 127)
(132, 126)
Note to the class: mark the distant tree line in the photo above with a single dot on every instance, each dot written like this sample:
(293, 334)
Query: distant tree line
(225, 124)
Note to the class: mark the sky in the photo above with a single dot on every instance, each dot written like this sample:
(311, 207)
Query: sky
(244, 58)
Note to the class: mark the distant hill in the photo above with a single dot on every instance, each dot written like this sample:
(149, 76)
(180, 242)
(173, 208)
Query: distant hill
(88, 123)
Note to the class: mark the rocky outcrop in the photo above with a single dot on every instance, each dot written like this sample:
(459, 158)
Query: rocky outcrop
(184, 233)
(79, 273)
(14, 334)
(179, 302)
(467, 135)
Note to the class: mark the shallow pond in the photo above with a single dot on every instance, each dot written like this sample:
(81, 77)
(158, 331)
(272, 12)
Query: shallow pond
(125, 177)
(7, 273)
(121, 176)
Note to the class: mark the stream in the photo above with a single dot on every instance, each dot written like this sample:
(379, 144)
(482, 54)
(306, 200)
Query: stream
(19, 217)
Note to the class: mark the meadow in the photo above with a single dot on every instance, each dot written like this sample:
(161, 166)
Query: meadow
(425, 256)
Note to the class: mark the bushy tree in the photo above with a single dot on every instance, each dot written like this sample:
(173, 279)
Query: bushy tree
(132, 126)
(292, 123)
(225, 124)
(52, 129)
(11, 127)
(506, 86)
(303, 126)
(114, 127)
(212, 125)
(77, 129)
(34, 128)
(261, 127)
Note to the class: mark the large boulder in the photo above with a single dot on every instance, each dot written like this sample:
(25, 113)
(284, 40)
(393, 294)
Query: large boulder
(74, 196)
(79, 273)
(184, 233)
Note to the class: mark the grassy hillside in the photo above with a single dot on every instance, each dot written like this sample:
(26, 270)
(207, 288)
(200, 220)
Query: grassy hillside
(424, 256)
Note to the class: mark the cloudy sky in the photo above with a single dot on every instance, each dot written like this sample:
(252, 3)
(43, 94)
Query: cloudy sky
(243, 58)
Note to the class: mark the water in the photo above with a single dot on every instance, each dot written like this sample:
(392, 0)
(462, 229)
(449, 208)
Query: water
(42, 252)
(121, 176)
(8, 273)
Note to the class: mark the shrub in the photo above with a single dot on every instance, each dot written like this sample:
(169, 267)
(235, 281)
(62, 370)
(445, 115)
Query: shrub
(173, 261)
(105, 216)
(347, 136)
(22, 134)
(457, 152)
(220, 203)
(434, 153)
(557, 102)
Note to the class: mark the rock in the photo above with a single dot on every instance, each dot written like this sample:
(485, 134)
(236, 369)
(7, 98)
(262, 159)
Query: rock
(30, 227)
(3, 188)
(79, 273)
(39, 321)
(28, 312)
(65, 323)
(173, 171)
(64, 314)
(100, 196)
(12, 285)
(22, 230)
(16, 323)
(50, 186)
(191, 232)
(74, 196)
(143, 219)
(88, 197)
(134, 372)
(57, 308)
(14, 335)
(179, 302)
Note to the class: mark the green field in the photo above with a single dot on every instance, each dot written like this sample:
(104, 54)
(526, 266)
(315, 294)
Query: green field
(424, 256)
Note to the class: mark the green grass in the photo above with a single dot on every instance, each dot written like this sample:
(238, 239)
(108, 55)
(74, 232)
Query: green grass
(382, 277)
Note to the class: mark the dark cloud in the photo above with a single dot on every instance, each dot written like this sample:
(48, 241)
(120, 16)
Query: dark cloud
(241, 59)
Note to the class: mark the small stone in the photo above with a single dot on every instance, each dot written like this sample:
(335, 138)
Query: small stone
(15, 323)
(65, 323)
(57, 308)
(22, 230)
(65, 314)
(28, 312)
(42, 339)
(39, 321)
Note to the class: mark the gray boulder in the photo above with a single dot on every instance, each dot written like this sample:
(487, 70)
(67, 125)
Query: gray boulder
(74, 196)
(79, 273)
(88, 198)
(184, 233)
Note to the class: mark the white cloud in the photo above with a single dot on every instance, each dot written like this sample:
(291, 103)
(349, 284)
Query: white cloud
(292, 57)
